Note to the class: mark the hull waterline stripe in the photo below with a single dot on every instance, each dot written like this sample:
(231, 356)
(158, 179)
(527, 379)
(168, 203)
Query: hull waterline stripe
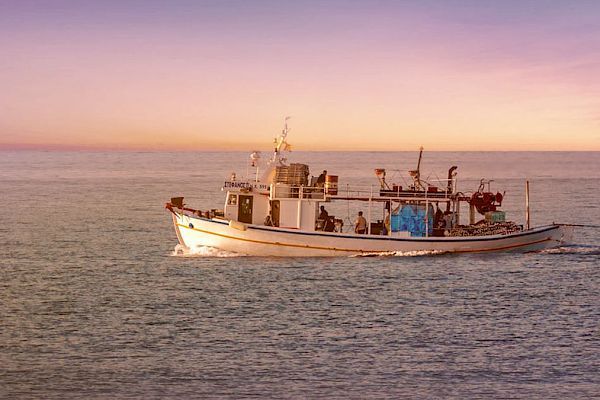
(354, 250)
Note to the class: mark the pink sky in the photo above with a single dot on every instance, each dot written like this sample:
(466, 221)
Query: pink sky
(353, 75)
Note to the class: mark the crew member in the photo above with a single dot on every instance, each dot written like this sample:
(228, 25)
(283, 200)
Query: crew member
(324, 214)
(386, 221)
(321, 179)
(322, 220)
(386, 224)
(360, 225)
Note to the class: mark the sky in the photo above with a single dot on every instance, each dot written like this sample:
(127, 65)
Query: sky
(353, 75)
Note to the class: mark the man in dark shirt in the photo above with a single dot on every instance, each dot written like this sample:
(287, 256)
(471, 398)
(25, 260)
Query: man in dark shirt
(321, 179)
(324, 214)
(322, 219)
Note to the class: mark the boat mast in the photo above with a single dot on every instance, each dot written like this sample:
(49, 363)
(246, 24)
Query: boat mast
(281, 145)
(416, 174)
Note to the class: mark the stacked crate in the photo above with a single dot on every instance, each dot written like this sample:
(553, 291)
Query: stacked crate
(293, 174)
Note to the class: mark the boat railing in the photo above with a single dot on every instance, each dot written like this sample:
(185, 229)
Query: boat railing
(433, 190)
(430, 191)
(279, 191)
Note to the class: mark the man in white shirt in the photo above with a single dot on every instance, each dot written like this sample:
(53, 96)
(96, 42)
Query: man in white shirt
(360, 225)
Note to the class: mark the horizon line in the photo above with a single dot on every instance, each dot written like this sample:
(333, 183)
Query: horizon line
(124, 149)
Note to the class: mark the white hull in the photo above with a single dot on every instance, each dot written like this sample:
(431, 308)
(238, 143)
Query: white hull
(255, 240)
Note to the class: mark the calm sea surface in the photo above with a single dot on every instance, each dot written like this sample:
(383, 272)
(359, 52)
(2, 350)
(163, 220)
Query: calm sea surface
(93, 303)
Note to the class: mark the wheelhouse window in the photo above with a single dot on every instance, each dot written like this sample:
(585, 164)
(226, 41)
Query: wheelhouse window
(232, 200)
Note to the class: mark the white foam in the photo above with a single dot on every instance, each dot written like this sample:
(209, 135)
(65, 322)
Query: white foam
(201, 251)
(573, 249)
(414, 253)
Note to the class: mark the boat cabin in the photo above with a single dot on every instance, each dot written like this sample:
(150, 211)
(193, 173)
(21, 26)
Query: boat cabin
(280, 203)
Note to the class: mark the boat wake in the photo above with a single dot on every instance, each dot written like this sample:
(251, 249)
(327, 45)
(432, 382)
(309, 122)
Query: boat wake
(201, 251)
(415, 253)
(577, 249)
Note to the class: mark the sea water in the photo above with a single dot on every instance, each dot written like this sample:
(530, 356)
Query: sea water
(96, 300)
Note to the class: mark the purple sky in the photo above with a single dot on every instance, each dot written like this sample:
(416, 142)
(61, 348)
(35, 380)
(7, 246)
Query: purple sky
(353, 74)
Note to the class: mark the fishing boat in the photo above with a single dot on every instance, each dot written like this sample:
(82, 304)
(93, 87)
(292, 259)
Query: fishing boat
(283, 212)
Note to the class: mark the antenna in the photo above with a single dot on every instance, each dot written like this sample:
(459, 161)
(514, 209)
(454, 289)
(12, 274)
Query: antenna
(285, 127)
